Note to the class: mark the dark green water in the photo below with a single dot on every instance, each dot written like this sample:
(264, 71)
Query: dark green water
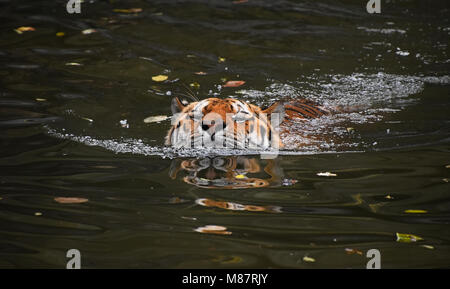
(61, 135)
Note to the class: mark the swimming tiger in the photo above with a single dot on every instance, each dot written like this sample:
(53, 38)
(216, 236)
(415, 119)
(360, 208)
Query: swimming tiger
(233, 123)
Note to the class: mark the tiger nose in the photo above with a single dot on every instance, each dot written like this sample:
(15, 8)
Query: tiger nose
(206, 127)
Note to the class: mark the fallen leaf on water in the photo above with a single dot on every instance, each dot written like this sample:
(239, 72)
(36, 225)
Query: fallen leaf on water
(73, 64)
(353, 251)
(200, 73)
(350, 129)
(240, 177)
(428, 247)
(159, 78)
(407, 238)
(213, 229)
(389, 197)
(23, 29)
(326, 174)
(89, 31)
(131, 10)
(234, 83)
(156, 118)
(64, 200)
(447, 166)
(195, 85)
(221, 59)
(38, 214)
(445, 180)
(88, 119)
(40, 99)
(60, 34)
(309, 259)
(289, 182)
(416, 211)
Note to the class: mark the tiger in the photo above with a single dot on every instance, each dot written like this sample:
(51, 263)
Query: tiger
(234, 123)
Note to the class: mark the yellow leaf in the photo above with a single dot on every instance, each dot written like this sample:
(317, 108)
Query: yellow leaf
(38, 214)
(41, 99)
(389, 197)
(60, 34)
(159, 78)
(200, 73)
(131, 10)
(240, 177)
(23, 29)
(221, 59)
(73, 64)
(407, 238)
(195, 85)
(309, 259)
(416, 211)
(350, 129)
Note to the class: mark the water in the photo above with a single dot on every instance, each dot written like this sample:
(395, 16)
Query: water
(62, 99)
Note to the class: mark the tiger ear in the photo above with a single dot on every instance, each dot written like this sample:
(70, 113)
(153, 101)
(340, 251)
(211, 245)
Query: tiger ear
(277, 109)
(176, 106)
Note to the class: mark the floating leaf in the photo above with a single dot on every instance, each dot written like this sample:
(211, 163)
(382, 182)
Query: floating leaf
(40, 99)
(447, 166)
(350, 129)
(309, 259)
(88, 119)
(195, 85)
(213, 229)
(38, 214)
(156, 118)
(159, 78)
(389, 197)
(234, 83)
(240, 177)
(416, 211)
(221, 59)
(428, 247)
(407, 238)
(131, 10)
(353, 251)
(326, 174)
(289, 182)
(124, 123)
(64, 200)
(445, 180)
(73, 64)
(89, 31)
(200, 73)
(23, 29)
(60, 34)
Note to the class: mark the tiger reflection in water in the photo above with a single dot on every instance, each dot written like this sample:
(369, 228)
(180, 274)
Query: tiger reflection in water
(231, 172)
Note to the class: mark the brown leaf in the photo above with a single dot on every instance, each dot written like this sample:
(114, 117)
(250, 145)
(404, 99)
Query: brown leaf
(64, 200)
(234, 83)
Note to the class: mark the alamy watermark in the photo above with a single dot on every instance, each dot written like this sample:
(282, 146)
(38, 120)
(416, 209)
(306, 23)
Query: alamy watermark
(73, 6)
(373, 6)
(75, 259)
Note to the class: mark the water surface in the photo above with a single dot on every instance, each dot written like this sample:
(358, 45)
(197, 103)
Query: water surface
(62, 99)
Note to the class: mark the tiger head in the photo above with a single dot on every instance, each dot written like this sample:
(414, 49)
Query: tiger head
(224, 123)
